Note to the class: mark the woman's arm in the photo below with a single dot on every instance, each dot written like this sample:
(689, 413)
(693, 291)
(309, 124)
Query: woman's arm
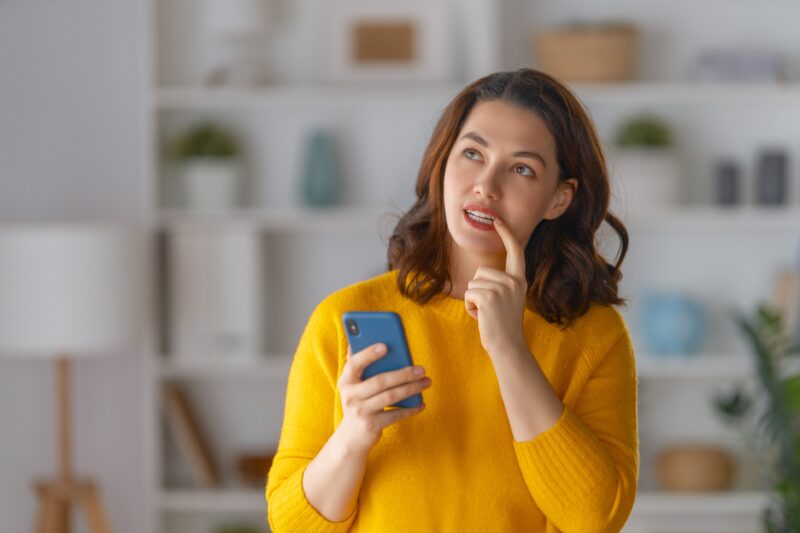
(582, 471)
(317, 473)
(332, 481)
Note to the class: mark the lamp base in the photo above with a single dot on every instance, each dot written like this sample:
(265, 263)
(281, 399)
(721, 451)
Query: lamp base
(55, 498)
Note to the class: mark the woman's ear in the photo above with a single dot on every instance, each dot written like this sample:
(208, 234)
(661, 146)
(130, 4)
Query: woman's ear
(562, 198)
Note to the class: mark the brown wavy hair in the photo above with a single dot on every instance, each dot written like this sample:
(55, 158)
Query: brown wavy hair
(564, 270)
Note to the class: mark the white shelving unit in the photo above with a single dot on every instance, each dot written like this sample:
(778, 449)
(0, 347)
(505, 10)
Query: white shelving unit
(725, 256)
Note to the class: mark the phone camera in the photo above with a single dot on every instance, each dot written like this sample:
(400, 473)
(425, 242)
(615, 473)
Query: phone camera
(352, 327)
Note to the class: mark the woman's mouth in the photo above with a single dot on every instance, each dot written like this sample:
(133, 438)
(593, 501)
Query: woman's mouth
(479, 220)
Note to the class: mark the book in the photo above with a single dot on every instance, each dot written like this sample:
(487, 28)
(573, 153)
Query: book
(189, 439)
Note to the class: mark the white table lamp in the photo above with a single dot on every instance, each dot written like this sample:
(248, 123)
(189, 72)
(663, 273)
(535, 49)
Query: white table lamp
(70, 290)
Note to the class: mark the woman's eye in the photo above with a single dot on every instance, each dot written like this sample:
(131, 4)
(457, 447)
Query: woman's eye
(525, 170)
(469, 153)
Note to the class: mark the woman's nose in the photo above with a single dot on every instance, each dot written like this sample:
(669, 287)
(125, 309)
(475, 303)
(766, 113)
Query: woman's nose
(488, 184)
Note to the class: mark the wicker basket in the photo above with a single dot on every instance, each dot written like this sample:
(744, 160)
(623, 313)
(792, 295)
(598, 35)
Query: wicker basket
(587, 54)
(695, 467)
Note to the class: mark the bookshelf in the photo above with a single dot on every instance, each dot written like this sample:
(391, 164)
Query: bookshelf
(726, 256)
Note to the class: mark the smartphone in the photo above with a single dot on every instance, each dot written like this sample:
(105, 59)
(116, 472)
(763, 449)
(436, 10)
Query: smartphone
(365, 328)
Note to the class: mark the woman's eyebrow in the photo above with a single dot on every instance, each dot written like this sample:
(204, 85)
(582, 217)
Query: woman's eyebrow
(480, 140)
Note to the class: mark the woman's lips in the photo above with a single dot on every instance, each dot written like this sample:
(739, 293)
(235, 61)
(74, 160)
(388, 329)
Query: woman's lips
(478, 225)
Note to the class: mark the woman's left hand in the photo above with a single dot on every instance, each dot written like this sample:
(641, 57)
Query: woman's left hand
(497, 299)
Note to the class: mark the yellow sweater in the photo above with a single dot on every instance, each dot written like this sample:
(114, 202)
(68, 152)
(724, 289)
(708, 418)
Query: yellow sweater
(455, 466)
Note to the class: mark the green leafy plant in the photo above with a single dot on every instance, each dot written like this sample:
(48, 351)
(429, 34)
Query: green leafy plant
(644, 130)
(206, 140)
(779, 420)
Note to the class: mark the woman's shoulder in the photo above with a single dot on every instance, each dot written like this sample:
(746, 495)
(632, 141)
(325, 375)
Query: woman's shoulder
(599, 327)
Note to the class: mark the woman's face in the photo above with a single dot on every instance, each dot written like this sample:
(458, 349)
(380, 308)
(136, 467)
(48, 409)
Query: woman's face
(503, 160)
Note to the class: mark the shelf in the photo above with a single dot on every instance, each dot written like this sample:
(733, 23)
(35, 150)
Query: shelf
(278, 219)
(267, 366)
(650, 502)
(679, 92)
(212, 500)
(698, 366)
(724, 503)
(282, 96)
(324, 95)
(697, 217)
(276, 367)
(365, 219)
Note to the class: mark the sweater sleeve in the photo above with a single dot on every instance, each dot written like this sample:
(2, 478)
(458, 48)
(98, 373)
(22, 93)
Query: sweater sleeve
(308, 423)
(583, 471)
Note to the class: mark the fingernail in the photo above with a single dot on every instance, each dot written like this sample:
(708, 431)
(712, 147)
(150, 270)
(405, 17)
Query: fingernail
(380, 348)
(418, 370)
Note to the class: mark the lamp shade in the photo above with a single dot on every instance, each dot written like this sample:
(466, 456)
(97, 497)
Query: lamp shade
(70, 289)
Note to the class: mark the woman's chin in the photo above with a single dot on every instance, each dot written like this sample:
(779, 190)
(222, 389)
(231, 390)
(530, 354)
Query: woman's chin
(479, 245)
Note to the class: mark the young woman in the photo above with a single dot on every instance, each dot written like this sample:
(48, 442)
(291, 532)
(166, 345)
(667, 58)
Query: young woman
(526, 368)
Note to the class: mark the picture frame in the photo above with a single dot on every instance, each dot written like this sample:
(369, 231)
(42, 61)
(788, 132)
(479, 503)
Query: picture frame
(388, 41)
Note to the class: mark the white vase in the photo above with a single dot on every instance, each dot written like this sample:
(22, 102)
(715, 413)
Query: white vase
(210, 183)
(643, 179)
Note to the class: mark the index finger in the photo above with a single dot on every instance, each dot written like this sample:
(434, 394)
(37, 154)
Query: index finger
(360, 360)
(515, 256)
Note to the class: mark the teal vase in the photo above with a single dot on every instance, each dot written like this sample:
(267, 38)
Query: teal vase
(320, 181)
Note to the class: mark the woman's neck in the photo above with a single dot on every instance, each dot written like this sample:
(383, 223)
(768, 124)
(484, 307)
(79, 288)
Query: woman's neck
(463, 266)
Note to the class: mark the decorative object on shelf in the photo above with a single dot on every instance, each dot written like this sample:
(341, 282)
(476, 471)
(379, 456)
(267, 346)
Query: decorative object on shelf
(738, 66)
(210, 169)
(727, 179)
(239, 30)
(587, 52)
(695, 467)
(388, 41)
(189, 439)
(645, 168)
(70, 291)
(768, 418)
(674, 323)
(216, 299)
(771, 177)
(321, 177)
(253, 467)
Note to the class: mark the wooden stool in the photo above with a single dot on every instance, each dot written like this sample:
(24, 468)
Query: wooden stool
(57, 495)
(55, 499)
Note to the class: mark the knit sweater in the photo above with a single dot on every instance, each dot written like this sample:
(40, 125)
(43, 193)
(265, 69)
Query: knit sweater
(455, 466)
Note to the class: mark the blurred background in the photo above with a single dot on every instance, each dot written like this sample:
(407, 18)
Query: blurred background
(186, 179)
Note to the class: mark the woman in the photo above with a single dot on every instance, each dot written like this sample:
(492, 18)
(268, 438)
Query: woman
(526, 368)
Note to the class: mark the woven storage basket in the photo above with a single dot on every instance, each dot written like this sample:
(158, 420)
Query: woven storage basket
(587, 54)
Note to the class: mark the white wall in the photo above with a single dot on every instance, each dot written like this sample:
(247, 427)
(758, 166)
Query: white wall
(70, 143)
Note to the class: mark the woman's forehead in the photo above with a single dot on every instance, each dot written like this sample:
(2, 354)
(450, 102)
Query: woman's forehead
(509, 127)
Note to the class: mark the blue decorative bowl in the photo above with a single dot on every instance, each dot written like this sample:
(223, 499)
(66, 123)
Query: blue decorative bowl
(674, 324)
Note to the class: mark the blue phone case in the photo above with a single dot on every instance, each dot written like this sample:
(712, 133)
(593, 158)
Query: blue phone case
(385, 327)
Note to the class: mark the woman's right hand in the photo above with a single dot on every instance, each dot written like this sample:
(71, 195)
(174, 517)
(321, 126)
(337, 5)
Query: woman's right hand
(363, 402)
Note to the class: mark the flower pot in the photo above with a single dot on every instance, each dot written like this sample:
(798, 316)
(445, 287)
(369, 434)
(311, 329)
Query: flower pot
(695, 467)
(210, 183)
(643, 179)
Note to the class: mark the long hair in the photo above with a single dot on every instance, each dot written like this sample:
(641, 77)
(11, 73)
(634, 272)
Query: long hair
(563, 269)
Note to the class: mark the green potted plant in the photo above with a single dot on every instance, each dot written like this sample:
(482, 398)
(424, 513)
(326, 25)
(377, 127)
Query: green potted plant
(776, 412)
(645, 168)
(209, 166)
